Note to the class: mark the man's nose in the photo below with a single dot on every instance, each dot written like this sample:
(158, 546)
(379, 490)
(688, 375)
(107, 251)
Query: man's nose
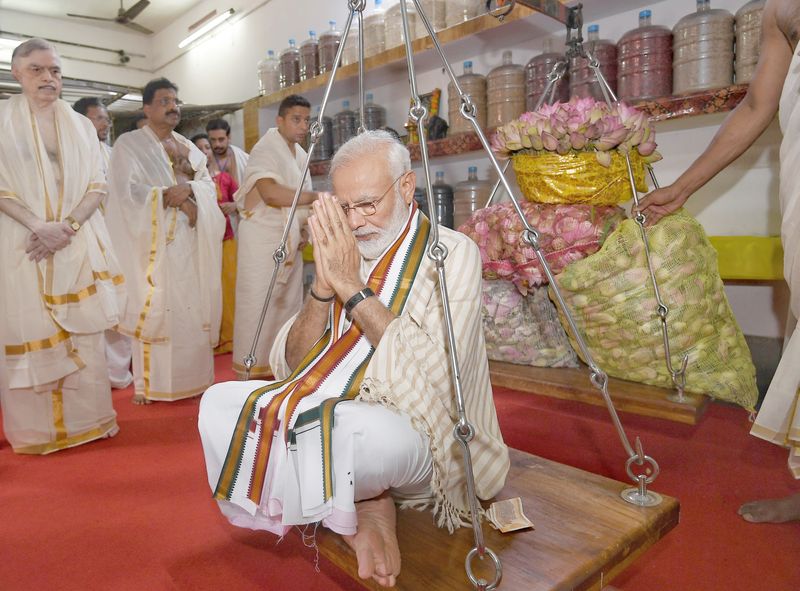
(355, 220)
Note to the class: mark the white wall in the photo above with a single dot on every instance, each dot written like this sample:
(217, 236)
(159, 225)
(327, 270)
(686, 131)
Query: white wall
(78, 62)
(740, 201)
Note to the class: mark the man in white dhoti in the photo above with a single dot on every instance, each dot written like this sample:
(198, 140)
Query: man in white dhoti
(60, 283)
(775, 88)
(118, 346)
(163, 216)
(370, 336)
(264, 196)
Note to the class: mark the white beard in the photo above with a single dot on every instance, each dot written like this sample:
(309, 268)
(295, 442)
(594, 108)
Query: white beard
(374, 248)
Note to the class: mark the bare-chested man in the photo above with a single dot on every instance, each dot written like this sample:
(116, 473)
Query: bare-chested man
(163, 213)
(59, 278)
(776, 84)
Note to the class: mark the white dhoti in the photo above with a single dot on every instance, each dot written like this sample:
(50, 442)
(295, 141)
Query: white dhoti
(261, 228)
(376, 450)
(64, 413)
(778, 420)
(118, 359)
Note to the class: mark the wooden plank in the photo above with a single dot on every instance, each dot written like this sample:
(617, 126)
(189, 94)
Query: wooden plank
(585, 533)
(251, 131)
(573, 384)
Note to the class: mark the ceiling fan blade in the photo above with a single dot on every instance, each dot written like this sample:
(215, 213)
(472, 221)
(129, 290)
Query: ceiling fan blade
(134, 10)
(138, 27)
(93, 18)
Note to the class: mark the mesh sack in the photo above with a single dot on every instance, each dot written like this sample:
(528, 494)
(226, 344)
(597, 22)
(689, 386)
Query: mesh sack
(567, 233)
(523, 329)
(614, 305)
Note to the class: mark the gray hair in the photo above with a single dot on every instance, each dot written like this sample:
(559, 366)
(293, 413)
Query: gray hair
(26, 48)
(368, 142)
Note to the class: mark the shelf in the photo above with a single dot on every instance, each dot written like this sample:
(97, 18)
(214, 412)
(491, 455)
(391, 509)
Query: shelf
(397, 54)
(662, 109)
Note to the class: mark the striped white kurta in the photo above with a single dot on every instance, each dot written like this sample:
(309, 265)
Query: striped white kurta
(410, 372)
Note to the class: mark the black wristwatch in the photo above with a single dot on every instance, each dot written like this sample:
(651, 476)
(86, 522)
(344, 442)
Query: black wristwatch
(357, 299)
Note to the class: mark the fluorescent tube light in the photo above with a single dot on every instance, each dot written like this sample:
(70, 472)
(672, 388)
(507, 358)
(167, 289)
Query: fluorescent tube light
(132, 97)
(213, 23)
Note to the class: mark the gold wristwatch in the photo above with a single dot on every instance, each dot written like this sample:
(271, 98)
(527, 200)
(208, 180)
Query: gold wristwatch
(73, 223)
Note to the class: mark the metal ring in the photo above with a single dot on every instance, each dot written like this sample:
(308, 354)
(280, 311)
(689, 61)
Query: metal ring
(641, 461)
(438, 252)
(417, 112)
(599, 379)
(662, 311)
(503, 11)
(249, 361)
(468, 108)
(357, 5)
(531, 237)
(498, 569)
(640, 218)
(279, 255)
(464, 431)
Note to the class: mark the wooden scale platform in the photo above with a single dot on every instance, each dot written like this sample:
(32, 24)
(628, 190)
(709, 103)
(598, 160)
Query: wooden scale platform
(585, 535)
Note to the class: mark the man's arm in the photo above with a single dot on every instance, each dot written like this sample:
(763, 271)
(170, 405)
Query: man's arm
(45, 238)
(741, 127)
(277, 195)
(86, 208)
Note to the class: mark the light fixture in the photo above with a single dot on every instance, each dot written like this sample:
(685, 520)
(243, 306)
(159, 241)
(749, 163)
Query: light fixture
(132, 97)
(213, 23)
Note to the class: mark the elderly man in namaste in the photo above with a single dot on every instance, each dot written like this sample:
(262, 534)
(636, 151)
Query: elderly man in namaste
(60, 282)
(165, 222)
(361, 413)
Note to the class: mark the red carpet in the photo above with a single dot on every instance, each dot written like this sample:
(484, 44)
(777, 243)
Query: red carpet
(135, 512)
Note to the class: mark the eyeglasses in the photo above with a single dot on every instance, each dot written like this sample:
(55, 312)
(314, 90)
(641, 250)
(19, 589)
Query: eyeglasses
(167, 101)
(368, 208)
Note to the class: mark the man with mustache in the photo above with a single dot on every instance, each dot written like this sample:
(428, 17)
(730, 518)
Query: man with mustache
(264, 196)
(165, 222)
(361, 415)
(60, 282)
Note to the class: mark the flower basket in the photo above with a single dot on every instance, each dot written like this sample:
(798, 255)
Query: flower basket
(577, 177)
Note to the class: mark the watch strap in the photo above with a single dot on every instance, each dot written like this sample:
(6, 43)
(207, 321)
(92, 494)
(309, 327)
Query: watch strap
(357, 299)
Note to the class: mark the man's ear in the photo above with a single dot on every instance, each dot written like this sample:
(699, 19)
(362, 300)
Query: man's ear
(408, 184)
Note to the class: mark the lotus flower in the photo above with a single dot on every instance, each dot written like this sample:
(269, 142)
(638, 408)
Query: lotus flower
(579, 125)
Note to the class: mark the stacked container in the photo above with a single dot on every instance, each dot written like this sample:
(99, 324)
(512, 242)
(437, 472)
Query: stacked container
(374, 114)
(375, 31)
(469, 196)
(505, 90)
(328, 46)
(748, 39)
(443, 199)
(459, 11)
(290, 65)
(394, 25)
(422, 201)
(324, 149)
(644, 59)
(350, 54)
(344, 126)
(436, 11)
(582, 79)
(475, 86)
(309, 57)
(269, 76)
(536, 72)
(703, 50)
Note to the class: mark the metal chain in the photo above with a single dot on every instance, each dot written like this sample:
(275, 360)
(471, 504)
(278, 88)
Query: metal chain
(598, 377)
(316, 130)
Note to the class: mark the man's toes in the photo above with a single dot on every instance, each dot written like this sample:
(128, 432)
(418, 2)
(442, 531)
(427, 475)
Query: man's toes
(366, 564)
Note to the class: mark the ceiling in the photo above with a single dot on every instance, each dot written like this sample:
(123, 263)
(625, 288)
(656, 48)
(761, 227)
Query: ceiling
(156, 16)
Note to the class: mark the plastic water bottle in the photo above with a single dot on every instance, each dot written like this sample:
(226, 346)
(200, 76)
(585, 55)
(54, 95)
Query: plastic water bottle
(644, 60)
(469, 196)
(328, 46)
(582, 79)
(309, 57)
(344, 125)
(269, 76)
(473, 85)
(443, 198)
(324, 149)
(374, 114)
(375, 31)
(290, 65)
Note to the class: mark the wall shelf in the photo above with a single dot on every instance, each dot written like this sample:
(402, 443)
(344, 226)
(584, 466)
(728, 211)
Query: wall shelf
(661, 109)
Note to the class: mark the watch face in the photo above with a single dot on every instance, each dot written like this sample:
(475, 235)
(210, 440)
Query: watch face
(75, 226)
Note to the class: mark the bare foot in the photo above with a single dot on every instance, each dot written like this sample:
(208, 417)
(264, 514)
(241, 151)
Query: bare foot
(375, 544)
(772, 510)
(139, 399)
